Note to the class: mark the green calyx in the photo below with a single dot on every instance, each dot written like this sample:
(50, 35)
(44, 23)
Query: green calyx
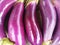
(47, 42)
(6, 41)
(27, 2)
(20, 0)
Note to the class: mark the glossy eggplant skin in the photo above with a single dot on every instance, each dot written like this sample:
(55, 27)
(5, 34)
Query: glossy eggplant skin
(31, 24)
(56, 35)
(48, 19)
(15, 25)
(5, 6)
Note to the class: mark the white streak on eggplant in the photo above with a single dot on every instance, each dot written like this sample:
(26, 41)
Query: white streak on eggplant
(1, 13)
(31, 31)
(37, 30)
(18, 23)
(44, 3)
(47, 23)
(1, 1)
(12, 32)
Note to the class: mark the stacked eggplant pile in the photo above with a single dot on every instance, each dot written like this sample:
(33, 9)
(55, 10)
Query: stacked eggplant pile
(29, 22)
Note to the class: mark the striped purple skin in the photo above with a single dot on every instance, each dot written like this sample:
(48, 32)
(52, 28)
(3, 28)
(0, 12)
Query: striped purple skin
(31, 24)
(56, 35)
(5, 6)
(48, 18)
(15, 25)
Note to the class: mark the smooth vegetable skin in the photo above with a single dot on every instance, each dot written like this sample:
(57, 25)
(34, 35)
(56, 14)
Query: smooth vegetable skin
(31, 24)
(56, 35)
(48, 19)
(15, 25)
(5, 6)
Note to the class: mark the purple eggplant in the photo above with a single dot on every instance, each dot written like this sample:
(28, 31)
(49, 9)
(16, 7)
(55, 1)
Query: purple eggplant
(31, 24)
(48, 19)
(15, 25)
(5, 6)
(56, 35)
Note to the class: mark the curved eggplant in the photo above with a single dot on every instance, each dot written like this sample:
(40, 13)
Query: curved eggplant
(31, 24)
(5, 6)
(15, 25)
(48, 19)
(56, 35)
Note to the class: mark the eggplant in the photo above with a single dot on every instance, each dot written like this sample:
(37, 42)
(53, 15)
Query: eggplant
(15, 24)
(56, 35)
(5, 6)
(33, 30)
(48, 14)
